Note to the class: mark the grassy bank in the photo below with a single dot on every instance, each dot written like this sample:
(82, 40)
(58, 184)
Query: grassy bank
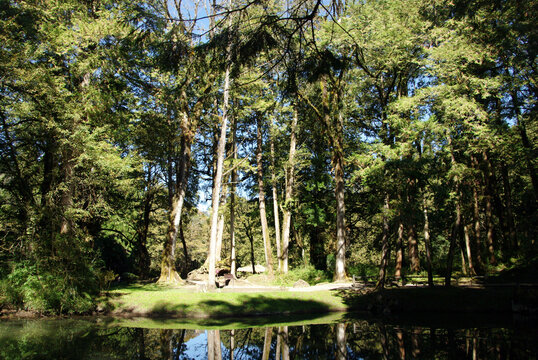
(154, 300)
(158, 301)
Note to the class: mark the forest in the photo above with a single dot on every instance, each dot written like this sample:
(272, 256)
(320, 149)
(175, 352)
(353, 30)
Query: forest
(142, 140)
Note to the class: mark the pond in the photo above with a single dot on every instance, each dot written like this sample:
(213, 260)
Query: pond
(340, 336)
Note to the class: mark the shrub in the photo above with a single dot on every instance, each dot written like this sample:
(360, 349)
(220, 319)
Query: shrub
(307, 273)
(46, 291)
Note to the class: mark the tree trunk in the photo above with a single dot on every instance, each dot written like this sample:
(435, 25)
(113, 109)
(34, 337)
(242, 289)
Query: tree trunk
(261, 199)
(385, 256)
(275, 203)
(213, 345)
(338, 164)
(220, 225)
(490, 227)
(67, 167)
(250, 237)
(290, 179)
(399, 249)
(427, 242)
(215, 198)
(233, 264)
(341, 351)
(278, 344)
(468, 249)
(401, 344)
(232, 344)
(490, 232)
(463, 264)
(530, 153)
(168, 268)
(456, 228)
(267, 343)
(412, 243)
(510, 223)
(285, 345)
(184, 243)
(142, 254)
(476, 217)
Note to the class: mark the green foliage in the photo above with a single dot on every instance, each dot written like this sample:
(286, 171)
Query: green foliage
(48, 291)
(307, 273)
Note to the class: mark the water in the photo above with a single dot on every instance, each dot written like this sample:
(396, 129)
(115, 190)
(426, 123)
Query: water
(335, 337)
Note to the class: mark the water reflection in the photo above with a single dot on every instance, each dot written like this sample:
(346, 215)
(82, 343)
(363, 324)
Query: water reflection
(352, 339)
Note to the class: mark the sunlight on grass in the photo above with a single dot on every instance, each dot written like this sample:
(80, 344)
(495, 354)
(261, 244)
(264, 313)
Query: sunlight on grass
(181, 302)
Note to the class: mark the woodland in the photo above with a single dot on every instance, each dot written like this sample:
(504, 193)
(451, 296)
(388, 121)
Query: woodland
(142, 140)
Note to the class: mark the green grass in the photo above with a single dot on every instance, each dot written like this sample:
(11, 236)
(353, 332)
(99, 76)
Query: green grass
(306, 273)
(154, 300)
(227, 323)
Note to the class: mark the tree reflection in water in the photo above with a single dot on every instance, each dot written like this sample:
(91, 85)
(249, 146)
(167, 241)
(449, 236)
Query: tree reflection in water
(352, 340)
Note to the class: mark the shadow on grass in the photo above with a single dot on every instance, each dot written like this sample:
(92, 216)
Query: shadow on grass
(250, 310)
(430, 300)
(228, 323)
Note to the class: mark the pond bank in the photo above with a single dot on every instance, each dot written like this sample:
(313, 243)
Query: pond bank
(155, 301)
(181, 302)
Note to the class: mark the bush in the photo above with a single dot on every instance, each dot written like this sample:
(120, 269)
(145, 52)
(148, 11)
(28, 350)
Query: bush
(46, 292)
(363, 271)
(307, 273)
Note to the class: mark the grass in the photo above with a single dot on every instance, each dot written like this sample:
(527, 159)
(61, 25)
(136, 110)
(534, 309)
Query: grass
(228, 323)
(155, 300)
(305, 273)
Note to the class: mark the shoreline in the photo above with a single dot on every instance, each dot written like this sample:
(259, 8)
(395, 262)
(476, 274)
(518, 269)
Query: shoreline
(185, 303)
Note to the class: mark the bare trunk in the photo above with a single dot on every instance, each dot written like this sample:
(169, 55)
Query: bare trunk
(278, 344)
(490, 232)
(476, 219)
(184, 243)
(285, 346)
(463, 265)
(210, 344)
(510, 223)
(68, 165)
(468, 249)
(248, 233)
(341, 351)
(401, 345)
(233, 264)
(168, 268)
(456, 229)
(490, 226)
(399, 250)
(338, 164)
(142, 254)
(220, 226)
(386, 246)
(267, 343)
(290, 178)
(261, 200)
(275, 204)
(218, 350)
(530, 156)
(232, 344)
(215, 199)
(427, 242)
(412, 243)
